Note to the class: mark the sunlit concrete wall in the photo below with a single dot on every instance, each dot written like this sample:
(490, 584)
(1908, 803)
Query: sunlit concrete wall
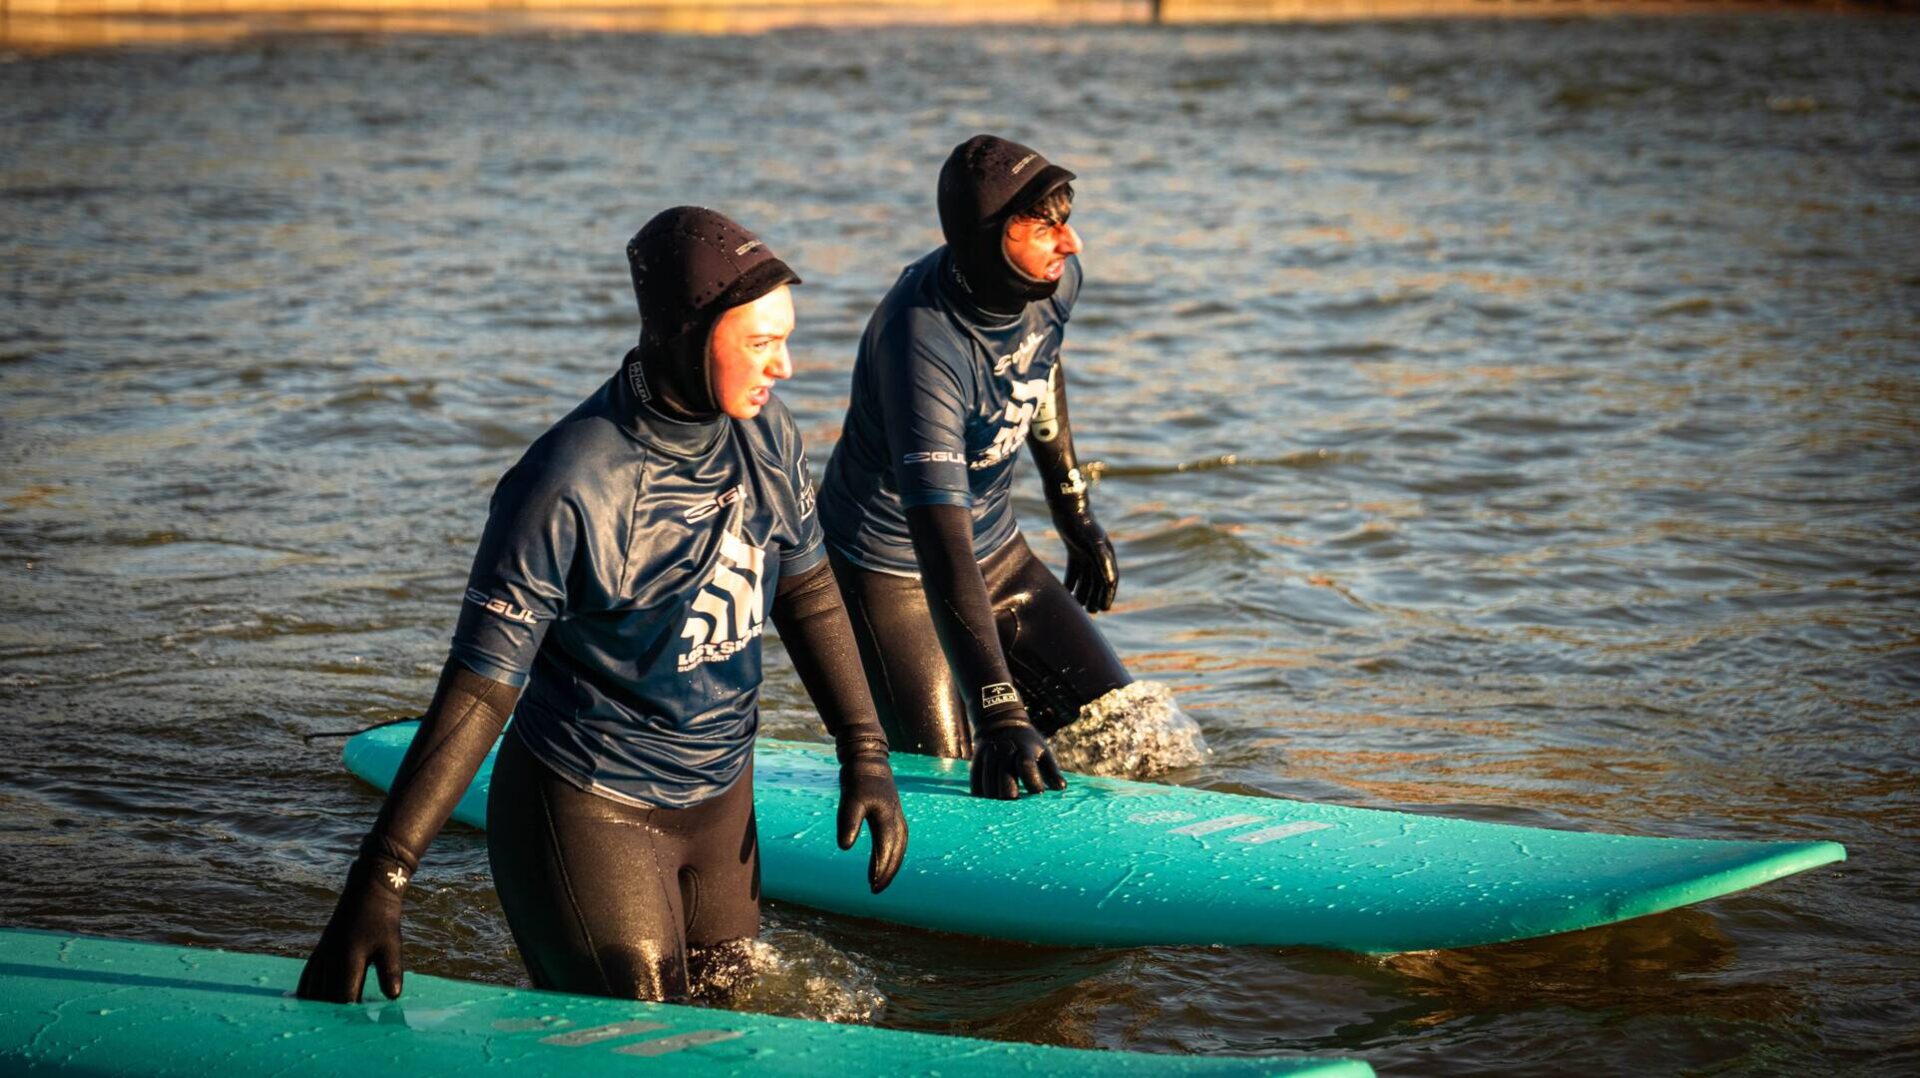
(877, 10)
(66, 24)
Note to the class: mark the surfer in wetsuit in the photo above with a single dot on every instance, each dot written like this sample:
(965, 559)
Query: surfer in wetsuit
(971, 646)
(615, 607)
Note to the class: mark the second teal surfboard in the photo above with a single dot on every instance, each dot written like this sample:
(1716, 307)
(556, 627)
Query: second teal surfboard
(1113, 863)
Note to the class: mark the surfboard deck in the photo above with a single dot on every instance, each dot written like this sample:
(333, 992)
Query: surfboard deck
(79, 1005)
(1113, 863)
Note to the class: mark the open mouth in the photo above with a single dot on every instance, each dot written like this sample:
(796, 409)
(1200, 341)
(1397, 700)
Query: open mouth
(759, 397)
(1054, 271)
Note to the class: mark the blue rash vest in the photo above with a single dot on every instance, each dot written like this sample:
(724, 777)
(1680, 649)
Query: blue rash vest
(943, 394)
(628, 566)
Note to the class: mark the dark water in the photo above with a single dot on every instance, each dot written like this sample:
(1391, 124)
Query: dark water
(1507, 420)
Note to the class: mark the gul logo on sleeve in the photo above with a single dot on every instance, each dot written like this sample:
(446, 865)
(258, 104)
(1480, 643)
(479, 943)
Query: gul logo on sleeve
(935, 456)
(998, 693)
(500, 606)
(726, 614)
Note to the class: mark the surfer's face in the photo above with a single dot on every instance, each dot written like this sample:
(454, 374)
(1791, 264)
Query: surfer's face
(1039, 246)
(747, 353)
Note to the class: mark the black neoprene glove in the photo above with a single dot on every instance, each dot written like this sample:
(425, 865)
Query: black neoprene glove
(1009, 752)
(364, 930)
(1093, 575)
(867, 795)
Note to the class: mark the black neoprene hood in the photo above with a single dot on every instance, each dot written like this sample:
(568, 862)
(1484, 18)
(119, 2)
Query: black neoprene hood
(690, 265)
(985, 180)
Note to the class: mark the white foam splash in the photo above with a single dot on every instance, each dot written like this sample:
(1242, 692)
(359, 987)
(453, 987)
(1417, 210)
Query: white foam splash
(1134, 732)
(793, 974)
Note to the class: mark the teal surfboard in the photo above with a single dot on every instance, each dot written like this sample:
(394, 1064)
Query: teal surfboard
(76, 1005)
(1112, 863)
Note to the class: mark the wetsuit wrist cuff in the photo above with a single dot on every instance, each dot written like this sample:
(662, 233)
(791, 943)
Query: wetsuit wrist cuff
(863, 745)
(873, 766)
(379, 875)
(1004, 719)
(378, 846)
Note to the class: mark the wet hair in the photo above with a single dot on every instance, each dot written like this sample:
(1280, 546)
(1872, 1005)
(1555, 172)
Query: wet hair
(1053, 207)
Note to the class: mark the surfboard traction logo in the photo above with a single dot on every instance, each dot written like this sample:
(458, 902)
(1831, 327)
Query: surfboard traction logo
(595, 1036)
(1202, 828)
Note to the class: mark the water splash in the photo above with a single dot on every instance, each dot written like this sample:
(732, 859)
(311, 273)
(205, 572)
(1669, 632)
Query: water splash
(1135, 731)
(789, 973)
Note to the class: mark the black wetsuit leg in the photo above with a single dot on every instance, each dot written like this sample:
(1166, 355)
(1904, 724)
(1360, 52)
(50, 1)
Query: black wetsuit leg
(912, 686)
(609, 899)
(1058, 658)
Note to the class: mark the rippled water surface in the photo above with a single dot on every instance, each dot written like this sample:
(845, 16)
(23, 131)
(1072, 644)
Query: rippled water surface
(1506, 420)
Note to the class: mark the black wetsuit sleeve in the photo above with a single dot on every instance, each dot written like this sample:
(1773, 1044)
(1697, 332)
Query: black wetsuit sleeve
(819, 639)
(467, 714)
(813, 624)
(1093, 573)
(460, 726)
(1051, 440)
(962, 612)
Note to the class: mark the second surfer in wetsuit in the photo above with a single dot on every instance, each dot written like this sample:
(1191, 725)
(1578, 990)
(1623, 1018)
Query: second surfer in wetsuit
(615, 608)
(971, 646)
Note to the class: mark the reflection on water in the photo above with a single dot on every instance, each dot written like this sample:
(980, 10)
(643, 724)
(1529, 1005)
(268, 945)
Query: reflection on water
(1510, 420)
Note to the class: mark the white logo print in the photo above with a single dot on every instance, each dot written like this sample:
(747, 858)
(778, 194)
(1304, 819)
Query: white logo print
(637, 378)
(745, 247)
(935, 456)
(807, 496)
(1024, 162)
(1046, 421)
(726, 614)
(1014, 421)
(713, 505)
(500, 606)
(1021, 357)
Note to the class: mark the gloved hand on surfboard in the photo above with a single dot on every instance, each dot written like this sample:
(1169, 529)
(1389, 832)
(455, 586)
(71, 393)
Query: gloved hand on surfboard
(1009, 752)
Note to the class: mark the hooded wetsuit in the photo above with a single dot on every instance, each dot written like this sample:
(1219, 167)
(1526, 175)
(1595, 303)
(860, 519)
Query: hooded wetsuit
(630, 562)
(958, 363)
